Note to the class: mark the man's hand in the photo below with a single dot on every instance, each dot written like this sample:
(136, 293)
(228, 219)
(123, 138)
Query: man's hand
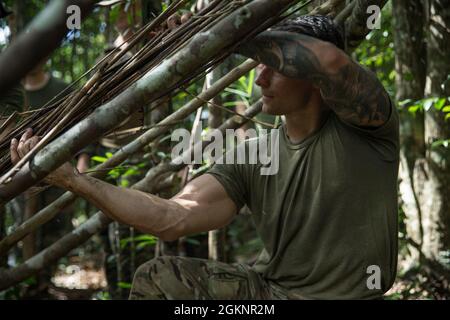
(60, 177)
(175, 20)
(83, 162)
(172, 23)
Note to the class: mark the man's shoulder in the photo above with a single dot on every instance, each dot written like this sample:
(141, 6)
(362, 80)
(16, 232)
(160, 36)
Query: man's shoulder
(12, 100)
(57, 84)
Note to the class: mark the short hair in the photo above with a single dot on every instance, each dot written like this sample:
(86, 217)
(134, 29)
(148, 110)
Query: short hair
(317, 26)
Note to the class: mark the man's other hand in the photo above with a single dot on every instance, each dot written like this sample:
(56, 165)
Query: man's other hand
(27, 142)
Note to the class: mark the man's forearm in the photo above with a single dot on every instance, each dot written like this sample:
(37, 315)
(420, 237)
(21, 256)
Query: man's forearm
(353, 92)
(148, 213)
(294, 55)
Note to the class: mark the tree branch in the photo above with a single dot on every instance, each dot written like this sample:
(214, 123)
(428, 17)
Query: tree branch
(44, 35)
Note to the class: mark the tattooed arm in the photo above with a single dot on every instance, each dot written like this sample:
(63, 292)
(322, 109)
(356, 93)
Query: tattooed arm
(353, 92)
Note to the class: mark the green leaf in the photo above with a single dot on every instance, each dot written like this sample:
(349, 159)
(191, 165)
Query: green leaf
(144, 244)
(30, 281)
(99, 159)
(146, 237)
(251, 80)
(404, 102)
(379, 61)
(124, 285)
(238, 92)
(414, 109)
(161, 154)
(428, 103)
(446, 109)
(235, 103)
(392, 75)
(440, 103)
(133, 171)
(145, 240)
(242, 82)
(441, 142)
(230, 103)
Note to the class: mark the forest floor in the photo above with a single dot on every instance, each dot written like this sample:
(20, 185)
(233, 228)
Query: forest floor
(85, 279)
(418, 286)
(80, 279)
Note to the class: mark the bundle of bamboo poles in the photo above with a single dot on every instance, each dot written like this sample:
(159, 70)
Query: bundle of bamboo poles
(207, 24)
(114, 73)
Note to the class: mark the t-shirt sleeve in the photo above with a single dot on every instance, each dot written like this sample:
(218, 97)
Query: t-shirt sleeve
(11, 101)
(389, 128)
(231, 178)
(384, 139)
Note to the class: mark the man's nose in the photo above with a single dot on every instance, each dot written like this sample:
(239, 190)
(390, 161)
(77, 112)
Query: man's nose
(263, 80)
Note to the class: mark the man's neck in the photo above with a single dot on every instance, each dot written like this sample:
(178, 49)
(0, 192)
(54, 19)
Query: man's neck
(307, 121)
(36, 81)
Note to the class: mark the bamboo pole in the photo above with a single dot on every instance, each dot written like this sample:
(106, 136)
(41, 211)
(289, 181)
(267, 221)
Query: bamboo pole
(345, 13)
(326, 8)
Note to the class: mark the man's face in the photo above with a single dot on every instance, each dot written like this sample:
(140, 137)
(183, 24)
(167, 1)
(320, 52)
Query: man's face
(282, 95)
(39, 68)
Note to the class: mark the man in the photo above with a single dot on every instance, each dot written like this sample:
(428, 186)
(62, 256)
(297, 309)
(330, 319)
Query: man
(12, 100)
(40, 88)
(328, 218)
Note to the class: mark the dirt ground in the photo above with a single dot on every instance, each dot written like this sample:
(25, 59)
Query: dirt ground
(85, 279)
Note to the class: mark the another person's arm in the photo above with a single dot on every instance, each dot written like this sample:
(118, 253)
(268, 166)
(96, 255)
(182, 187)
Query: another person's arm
(201, 206)
(351, 91)
(83, 162)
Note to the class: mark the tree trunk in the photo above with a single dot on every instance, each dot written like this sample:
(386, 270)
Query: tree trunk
(436, 187)
(216, 238)
(410, 58)
(4, 259)
(19, 20)
(29, 242)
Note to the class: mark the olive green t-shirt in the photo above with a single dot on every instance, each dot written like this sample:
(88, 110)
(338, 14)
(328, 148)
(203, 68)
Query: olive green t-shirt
(329, 213)
(12, 101)
(38, 98)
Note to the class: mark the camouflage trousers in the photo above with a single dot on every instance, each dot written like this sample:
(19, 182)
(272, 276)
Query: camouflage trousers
(174, 278)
